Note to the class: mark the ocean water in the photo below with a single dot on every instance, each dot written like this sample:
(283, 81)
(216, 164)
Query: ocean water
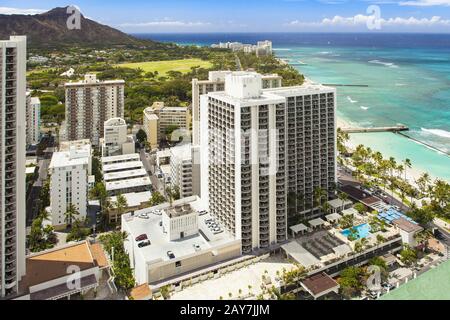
(407, 78)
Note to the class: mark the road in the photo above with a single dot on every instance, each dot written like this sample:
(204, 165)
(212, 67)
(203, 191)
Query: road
(346, 178)
(145, 161)
(156, 183)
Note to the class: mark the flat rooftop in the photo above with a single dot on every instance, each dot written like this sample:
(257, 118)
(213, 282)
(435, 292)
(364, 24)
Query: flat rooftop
(123, 157)
(129, 183)
(124, 166)
(160, 242)
(120, 175)
(320, 283)
(406, 225)
(65, 158)
(360, 195)
(135, 199)
(97, 83)
(431, 285)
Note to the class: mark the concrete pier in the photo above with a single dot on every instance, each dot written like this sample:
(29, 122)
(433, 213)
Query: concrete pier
(375, 129)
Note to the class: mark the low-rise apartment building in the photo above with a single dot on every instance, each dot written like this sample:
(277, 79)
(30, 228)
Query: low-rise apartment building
(159, 119)
(125, 174)
(116, 140)
(181, 168)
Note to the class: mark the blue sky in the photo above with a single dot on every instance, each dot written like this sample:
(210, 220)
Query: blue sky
(256, 15)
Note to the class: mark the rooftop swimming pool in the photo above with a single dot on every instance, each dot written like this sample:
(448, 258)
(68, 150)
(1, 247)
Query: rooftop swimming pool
(362, 231)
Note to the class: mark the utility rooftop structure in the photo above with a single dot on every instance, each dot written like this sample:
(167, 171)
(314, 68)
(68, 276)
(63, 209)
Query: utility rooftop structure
(259, 146)
(216, 82)
(198, 249)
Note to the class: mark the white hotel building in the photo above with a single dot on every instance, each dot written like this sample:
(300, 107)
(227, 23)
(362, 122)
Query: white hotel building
(261, 145)
(12, 162)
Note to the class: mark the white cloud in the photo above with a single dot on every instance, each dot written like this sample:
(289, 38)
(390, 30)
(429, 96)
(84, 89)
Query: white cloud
(425, 3)
(7, 10)
(361, 20)
(166, 23)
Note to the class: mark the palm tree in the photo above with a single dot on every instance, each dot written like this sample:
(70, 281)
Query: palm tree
(343, 197)
(407, 163)
(70, 214)
(319, 194)
(44, 215)
(120, 204)
(380, 239)
(423, 182)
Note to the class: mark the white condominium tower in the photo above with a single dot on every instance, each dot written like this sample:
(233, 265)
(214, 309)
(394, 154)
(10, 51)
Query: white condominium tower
(89, 103)
(33, 119)
(70, 169)
(216, 82)
(12, 162)
(261, 145)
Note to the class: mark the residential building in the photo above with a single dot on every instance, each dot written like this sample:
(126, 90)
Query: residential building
(260, 145)
(150, 121)
(125, 174)
(89, 103)
(216, 82)
(70, 169)
(181, 242)
(116, 140)
(262, 48)
(158, 118)
(12, 163)
(49, 272)
(181, 168)
(33, 119)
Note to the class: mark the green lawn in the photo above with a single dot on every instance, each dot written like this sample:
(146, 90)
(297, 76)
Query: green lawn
(183, 65)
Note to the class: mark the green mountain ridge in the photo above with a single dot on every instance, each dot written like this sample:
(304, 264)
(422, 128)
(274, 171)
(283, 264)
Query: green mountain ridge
(50, 29)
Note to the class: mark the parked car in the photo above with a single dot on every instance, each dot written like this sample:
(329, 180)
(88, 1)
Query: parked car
(141, 237)
(216, 229)
(170, 254)
(144, 244)
(196, 247)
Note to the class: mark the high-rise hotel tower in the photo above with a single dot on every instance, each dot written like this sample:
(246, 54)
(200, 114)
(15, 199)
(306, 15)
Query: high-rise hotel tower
(261, 148)
(12, 162)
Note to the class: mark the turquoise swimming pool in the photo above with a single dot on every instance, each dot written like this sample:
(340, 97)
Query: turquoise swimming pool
(362, 231)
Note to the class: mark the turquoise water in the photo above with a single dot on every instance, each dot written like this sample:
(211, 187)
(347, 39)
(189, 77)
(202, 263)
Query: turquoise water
(363, 230)
(409, 87)
(408, 78)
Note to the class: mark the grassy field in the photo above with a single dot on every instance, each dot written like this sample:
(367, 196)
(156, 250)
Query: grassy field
(163, 67)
